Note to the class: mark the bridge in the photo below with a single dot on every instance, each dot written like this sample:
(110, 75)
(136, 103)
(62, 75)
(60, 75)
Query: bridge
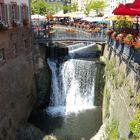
(67, 34)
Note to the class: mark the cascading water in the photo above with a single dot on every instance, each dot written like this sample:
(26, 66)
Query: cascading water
(72, 86)
(72, 114)
(72, 99)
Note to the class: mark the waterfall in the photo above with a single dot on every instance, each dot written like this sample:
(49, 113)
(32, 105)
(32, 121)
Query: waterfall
(72, 85)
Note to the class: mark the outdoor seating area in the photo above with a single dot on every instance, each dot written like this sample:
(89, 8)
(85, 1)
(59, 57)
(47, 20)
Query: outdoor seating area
(124, 36)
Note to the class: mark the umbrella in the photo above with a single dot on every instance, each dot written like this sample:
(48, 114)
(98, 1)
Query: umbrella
(123, 10)
(136, 4)
(114, 18)
(38, 17)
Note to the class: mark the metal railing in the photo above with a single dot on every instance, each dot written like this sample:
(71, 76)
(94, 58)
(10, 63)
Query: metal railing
(62, 34)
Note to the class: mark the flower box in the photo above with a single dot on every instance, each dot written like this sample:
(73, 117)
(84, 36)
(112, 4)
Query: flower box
(127, 51)
(136, 56)
(3, 26)
(129, 39)
(120, 48)
(15, 23)
(115, 44)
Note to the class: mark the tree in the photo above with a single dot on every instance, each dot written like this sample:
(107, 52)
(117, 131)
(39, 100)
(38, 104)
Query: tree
(98, 6)
(54, 7)
(38, 7)
(88, 7)
(45, 8)
(70, 7)
(74, 7)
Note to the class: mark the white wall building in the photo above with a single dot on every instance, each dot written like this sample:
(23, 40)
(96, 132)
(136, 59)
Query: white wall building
(111, 5)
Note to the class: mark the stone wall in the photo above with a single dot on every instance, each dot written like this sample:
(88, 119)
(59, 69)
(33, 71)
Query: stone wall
(17, 94)
(42, 74)
(122, 87)
(17, 81)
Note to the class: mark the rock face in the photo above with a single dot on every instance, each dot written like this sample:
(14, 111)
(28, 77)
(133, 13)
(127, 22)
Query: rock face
(121, 90)
(17, 94)
(42, 75)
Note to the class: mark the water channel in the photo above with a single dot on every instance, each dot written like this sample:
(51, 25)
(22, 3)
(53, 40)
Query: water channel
(72, 113)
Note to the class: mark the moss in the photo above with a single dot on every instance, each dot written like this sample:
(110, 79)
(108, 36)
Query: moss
(112, 130)
(135, 126)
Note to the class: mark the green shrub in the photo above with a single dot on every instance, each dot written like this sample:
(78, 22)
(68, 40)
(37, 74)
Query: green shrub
(135, 125)
(112, 130)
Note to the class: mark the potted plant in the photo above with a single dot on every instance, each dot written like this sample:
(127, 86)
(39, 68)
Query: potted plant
(15, 23)
(128, 46)
(129, 40)
(120, 38)
(3, 26)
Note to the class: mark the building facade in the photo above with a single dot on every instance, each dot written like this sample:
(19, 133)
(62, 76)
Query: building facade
(14, 19)
(111, 5)
(16, 66)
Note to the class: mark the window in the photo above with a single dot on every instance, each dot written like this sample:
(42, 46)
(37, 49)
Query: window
(24, 11)
(2, 57)
(14, 13)
(1, 11)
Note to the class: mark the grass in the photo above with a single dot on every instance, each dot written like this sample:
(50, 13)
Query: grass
(106, 102)
(112, 130)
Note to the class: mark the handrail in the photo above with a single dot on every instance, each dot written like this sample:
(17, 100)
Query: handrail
(60, 34)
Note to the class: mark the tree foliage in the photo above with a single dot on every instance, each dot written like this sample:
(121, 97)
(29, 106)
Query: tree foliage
(45, 8)
(135, 125)
(38, 7)
(73, 7)
(97, 5)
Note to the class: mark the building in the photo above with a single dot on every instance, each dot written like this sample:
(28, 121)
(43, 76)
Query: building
(14, 20)
(111, 5)
(16, 66)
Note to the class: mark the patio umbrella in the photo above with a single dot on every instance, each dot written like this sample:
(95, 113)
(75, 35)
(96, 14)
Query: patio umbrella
(123, 10)
(136, 4)
(116, 17)
(38, 17)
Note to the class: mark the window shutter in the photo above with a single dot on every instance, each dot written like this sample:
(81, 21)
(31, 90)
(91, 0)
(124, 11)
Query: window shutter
(10, 13)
